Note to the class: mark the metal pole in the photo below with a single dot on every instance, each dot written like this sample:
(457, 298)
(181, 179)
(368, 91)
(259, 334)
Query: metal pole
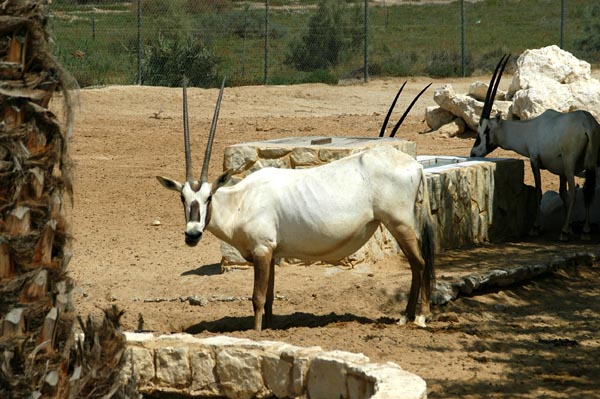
(366, 50)
(93, 28)
(462, 38)
(245, 38)
(139, 42)
(266, 77)
(562, 24)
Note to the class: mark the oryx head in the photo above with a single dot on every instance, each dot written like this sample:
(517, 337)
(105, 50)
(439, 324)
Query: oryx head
(484, 144)
(196, 195)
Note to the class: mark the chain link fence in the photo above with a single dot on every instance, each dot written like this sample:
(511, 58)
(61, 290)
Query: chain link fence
(155, 42)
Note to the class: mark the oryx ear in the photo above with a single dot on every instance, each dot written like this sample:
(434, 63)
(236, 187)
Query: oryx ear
(226, 176)
(170, 184)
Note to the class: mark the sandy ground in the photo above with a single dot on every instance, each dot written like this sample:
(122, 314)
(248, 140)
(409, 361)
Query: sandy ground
(534, 340)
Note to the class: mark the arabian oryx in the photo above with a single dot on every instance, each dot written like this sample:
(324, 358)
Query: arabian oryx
(563, 143)
(322, 213)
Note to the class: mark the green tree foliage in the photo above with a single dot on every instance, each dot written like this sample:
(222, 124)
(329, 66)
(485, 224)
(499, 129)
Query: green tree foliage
(332, 29)
(169, 59)
(588, 44)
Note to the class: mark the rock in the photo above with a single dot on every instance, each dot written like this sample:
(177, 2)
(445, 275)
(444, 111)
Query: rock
(452, 129)
(478, 90)
(436, 117)
(551, 78)
(465, 107)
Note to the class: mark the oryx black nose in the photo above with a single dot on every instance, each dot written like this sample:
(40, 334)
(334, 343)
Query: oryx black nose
(192, 238)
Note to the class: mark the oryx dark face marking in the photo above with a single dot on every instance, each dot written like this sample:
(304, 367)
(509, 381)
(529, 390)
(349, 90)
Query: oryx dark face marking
(195, 204)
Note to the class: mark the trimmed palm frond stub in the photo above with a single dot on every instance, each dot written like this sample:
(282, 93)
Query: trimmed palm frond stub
(40, 355)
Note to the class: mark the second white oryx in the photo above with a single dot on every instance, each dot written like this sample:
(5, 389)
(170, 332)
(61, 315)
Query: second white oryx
(563, 143)
(322, 213)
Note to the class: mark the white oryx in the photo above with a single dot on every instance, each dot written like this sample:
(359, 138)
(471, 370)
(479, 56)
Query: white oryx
(563, 143)
(322, 213)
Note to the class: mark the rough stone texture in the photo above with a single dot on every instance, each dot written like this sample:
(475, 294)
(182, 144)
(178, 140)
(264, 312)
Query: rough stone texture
(465, 107)
(173, 367)
(479, 200)
(552, 78)
(239, 371)
(452, 129)
(241, 368)
(436, 117)
(494, 279)
(478, 91)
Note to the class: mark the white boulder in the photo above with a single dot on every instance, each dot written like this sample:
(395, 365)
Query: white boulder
(551, 78)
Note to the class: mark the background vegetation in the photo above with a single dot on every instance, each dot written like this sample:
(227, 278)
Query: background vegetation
(308, 40)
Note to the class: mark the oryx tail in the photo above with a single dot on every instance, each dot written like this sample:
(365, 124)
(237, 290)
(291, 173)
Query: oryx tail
(427, 238)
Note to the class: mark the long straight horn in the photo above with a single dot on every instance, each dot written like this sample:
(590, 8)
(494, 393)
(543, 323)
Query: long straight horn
(493, 96)
(395, 129)
(489, 99)
(186, 134)
(211, 136)
(387, 117)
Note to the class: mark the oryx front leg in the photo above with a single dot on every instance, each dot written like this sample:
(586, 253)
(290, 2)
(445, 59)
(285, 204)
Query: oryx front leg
(535, 230)
(262, 295)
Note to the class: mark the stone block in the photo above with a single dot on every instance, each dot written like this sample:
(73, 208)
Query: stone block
(139, 365)
(328, 372)
(239, 372)
(173, 367)
(204, 378)
(277, 373)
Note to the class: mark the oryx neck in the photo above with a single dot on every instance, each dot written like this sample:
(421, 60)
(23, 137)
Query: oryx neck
(512, 135)
(221, 217)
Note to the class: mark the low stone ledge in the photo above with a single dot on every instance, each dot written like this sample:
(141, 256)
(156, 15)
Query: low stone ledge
(242, 369)
(447, 291)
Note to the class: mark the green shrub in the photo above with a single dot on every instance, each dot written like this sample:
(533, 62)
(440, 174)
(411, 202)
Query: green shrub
(165, 63)
(444, 63)
(331, 30)
(588, 43)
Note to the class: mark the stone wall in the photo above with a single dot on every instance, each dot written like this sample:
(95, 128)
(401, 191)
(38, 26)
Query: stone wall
(183, 365)
(479, 200)
(472, 201)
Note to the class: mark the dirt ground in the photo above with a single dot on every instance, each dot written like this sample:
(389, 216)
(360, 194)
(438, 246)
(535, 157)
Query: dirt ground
(535, 340)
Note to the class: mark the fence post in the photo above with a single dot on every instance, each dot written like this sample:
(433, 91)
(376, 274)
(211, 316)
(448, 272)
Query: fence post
(562, 24)
(139, 42)
(366, 50)
(266, 77)
(462, 38)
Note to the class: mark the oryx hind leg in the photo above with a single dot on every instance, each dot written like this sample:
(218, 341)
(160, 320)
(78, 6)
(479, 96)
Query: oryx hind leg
(409, 243)
(589, 191)
(571, 193)
(262, 290)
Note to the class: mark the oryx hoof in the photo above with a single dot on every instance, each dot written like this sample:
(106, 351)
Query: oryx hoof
(403, 320)
(420, 321)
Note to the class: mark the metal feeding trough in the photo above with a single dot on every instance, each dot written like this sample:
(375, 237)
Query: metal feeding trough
(472, 200)
(432, 161)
